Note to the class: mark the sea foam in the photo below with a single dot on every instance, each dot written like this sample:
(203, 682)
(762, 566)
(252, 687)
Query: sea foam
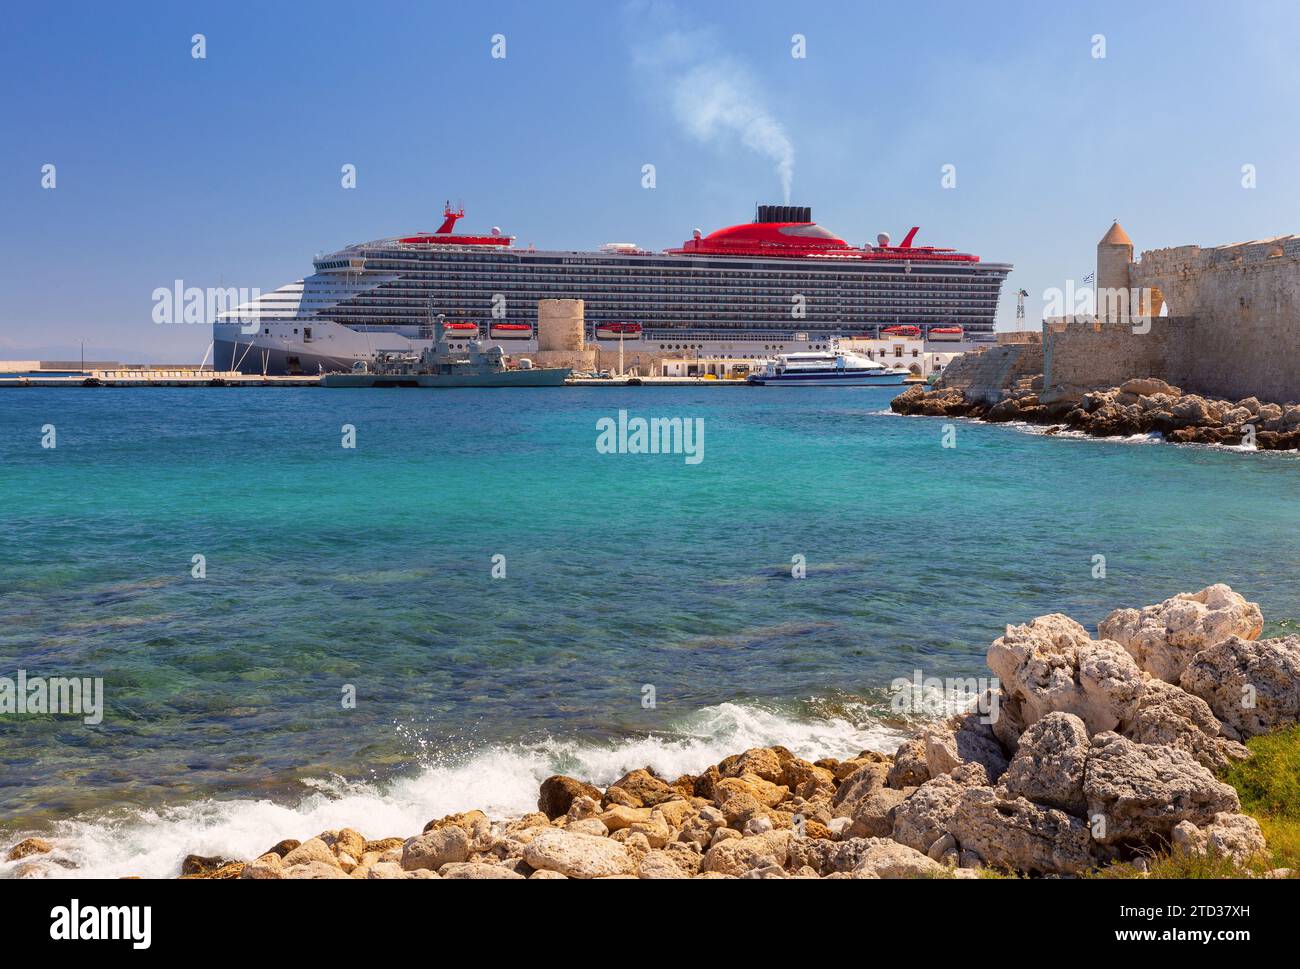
(500, 780)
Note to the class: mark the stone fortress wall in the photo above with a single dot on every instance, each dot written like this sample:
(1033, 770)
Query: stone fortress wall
(1233, 328)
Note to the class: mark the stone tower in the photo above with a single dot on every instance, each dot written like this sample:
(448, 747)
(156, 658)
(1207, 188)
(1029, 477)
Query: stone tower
(1114, 257)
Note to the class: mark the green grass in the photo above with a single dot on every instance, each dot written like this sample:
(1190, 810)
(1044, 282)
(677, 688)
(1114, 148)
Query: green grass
(1269, 786)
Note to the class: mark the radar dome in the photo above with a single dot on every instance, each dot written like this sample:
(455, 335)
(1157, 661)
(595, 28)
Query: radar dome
(696, 234)
(882, 240)
(496, 230)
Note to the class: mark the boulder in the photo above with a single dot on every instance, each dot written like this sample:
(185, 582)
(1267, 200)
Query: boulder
(436, 848)
(750, 785)
(312, 850)
(578, 855)
(1148, 387)
(557, 793)
(1049, 763)
(476, 871)
(971, 742)
(1236, 837)
(762, 762)
(282, 848)
(1253, 687)
(660, 865)
(29, 846)
(1137, 794)
(639, 788)
(873, 816)
(927, 815)
(313, 870)
(883, 858)
(655, 829)
(909, 768)
(1015, 834)
(866, 780)
(1170, 716)
(268, 866)
(465, 820)
(619, 817)
(735, 856)
(1051, 664)
(1163, 638)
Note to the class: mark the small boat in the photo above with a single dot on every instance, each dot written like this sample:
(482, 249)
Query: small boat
(511, 331)
(461, 331)
(618, 331)
(939, 333)
(833, 367)
(901, 331)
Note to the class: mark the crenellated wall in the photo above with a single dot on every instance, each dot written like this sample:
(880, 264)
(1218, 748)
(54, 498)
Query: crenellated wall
(1233, 328)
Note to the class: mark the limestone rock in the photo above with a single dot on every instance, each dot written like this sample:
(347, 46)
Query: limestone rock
(1051, 664)
(762, 762)
(883, 858)
(1253, 687)
(465, 820)
(476, 871)
(660, 865)
(618, 817)
(1014, 833)
(1163, 638)
(971, 741)
(268, 866)
(557, 793)
(1170, 716)
(909, 768)
(866, 780)
(1140, 792)
(578, 855)
(436, 848)
(639, 788)
(1234, 836)
(386, 871)
(1049, 763)
(313, 870)
(312, 850)
(591, 826)
(873, 817)
(927, 815)
(1147, 387)
(29, 846)
(735, 856)
(655, 829)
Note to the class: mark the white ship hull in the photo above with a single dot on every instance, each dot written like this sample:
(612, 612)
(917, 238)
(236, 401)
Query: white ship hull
(842, 379)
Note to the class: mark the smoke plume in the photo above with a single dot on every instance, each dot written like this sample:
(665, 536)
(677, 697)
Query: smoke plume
(715, 97)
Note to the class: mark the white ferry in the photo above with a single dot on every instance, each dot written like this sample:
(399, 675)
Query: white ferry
(819, 368)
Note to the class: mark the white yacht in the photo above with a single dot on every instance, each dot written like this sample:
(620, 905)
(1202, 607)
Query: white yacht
(833, 366)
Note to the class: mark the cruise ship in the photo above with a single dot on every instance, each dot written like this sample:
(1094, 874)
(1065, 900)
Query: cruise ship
(779, 284)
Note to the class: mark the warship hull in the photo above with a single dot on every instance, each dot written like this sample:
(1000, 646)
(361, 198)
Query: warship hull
(537, 377)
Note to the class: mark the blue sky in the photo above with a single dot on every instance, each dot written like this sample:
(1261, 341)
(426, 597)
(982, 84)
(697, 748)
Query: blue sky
(226, 170)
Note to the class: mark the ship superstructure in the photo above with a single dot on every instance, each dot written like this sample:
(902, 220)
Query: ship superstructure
(781, 283)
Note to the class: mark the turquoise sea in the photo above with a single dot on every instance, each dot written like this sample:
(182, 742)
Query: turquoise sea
(326, 567)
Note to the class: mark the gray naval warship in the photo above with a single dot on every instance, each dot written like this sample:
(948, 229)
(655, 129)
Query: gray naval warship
(479, 365)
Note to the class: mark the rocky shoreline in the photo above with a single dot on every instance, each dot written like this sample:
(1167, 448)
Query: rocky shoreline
(1086, 753)
(1143, 405)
